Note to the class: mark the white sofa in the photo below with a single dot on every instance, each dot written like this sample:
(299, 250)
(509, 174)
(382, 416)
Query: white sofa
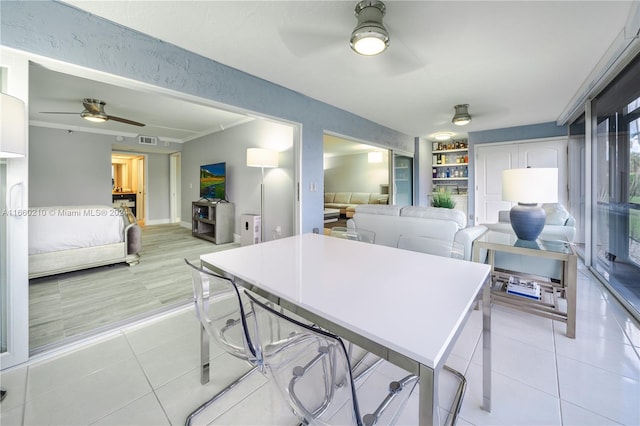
(389, 222)
(559, 224)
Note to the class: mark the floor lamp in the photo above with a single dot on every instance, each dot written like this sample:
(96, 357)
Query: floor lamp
(259, 157)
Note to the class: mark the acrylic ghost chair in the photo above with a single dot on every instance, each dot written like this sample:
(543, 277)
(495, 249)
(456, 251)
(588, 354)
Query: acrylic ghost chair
(355, 234)
(310, 367)
(222, 314)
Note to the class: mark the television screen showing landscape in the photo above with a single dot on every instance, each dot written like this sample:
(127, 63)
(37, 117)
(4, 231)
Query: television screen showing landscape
(212, 181)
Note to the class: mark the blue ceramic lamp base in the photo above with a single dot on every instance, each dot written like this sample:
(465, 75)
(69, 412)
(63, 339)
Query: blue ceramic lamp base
(527, 221)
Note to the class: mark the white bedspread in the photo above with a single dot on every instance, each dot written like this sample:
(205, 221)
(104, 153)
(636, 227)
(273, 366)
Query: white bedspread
(68, 227)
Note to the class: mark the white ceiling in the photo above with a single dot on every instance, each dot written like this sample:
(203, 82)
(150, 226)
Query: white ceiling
(515, 63)
(168, 118)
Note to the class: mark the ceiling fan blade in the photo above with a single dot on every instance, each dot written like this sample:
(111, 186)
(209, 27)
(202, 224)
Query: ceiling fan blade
(58, 112)
(124, 120)
(305, 42)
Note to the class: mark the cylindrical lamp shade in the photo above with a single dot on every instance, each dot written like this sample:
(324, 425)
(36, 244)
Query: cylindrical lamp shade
(12, 131)
(259, 157)
(530, 185)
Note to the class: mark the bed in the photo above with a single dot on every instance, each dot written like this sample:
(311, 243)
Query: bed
(70, 238)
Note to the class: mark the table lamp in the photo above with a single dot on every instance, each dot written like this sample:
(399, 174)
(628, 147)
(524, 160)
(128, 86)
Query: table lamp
(260, 157)
(528, 187)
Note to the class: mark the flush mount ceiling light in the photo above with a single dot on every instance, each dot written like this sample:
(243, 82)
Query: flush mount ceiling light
(444, 136)
(461, 117)
(370, 36)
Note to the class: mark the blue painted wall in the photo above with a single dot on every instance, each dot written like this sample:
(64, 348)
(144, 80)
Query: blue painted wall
(62, 32)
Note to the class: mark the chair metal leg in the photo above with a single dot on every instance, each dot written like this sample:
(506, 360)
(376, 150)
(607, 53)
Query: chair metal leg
(204, 356)
(215, 397)
(359, 375)
(395, 388)
(457, 401)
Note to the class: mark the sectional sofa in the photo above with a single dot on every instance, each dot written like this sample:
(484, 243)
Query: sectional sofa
(346, 202)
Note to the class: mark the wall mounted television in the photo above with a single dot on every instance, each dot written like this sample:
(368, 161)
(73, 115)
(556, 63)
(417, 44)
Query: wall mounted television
(213, 181)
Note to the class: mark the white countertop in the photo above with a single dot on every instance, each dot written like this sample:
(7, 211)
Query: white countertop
(410, 302)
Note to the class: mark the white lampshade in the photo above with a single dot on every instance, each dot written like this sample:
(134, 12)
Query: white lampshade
(259, 157)
(13, 122)
(530, 185)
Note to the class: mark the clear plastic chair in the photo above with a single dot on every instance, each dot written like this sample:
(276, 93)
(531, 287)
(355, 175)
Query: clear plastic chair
(221, 311)
(353, 234)
(431, 245)
(310, 368)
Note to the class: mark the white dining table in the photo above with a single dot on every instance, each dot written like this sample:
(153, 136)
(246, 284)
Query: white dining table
(404, 306)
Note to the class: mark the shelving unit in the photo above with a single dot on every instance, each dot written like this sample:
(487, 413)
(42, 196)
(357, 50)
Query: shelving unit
(213, 221)
(450, 168)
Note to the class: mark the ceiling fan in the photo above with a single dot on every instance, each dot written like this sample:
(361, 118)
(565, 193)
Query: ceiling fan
(94, 111)
(318, 38)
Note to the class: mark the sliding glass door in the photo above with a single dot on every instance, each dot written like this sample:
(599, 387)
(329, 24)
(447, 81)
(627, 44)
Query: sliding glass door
(403, 179)
(14, 176)
(616, 185)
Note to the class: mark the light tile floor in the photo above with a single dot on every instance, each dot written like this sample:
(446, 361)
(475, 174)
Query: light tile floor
(147, 374)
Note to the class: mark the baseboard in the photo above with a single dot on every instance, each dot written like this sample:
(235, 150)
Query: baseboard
(159, 221)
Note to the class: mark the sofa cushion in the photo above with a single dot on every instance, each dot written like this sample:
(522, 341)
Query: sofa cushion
(359, 198)
(379, 209)
(342, 198)
(456, 216)
(556, 214)
(329, 196)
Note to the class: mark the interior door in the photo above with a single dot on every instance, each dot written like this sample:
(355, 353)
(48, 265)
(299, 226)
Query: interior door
(552, 153)
(492, 159)
(141, 207)
(174, 185)
(490, 162)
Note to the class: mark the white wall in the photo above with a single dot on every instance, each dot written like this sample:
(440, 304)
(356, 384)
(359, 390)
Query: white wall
(243, 183)
(354, 173)
(67, 169)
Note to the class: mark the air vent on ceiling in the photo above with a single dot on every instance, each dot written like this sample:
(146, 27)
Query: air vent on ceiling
(148, 140)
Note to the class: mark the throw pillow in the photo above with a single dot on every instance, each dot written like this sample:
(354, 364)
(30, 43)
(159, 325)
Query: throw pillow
(556, 214)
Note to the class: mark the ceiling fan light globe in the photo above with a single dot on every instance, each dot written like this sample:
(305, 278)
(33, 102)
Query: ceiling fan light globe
(94, 118)
(461, 121)
(370, 43)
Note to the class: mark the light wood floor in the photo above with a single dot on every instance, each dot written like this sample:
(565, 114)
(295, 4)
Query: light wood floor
(74, 305)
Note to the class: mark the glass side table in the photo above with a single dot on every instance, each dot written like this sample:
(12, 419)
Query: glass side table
(549, 305)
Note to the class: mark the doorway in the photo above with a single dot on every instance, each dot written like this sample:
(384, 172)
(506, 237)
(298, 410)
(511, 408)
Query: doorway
(354, 170)
(128, 183)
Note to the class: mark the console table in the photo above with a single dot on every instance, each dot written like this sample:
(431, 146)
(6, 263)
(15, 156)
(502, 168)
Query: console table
(494, 241)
